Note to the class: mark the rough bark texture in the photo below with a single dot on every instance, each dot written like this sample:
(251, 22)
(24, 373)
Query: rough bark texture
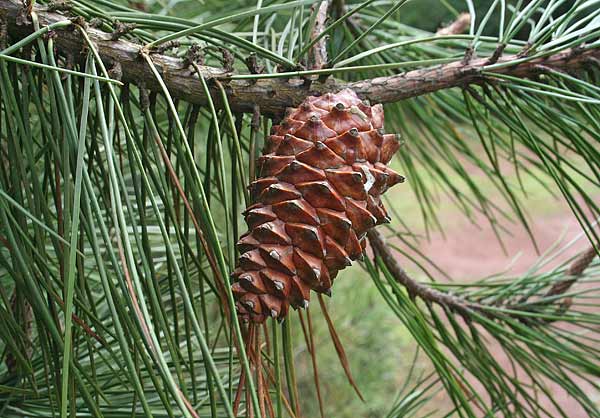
(318, 193)
(274, 95)
(318, 54)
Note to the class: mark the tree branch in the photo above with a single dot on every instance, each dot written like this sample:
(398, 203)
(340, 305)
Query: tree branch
(318, 53)
(457, 303)
(416, 289)
(274, 95)
(460, 25)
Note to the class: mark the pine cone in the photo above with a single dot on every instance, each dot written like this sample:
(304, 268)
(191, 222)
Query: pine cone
(321, 176)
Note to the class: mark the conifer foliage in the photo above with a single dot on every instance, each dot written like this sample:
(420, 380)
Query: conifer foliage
(131, 130)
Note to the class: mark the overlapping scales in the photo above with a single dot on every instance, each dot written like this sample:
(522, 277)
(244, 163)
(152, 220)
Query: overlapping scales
(321, 177)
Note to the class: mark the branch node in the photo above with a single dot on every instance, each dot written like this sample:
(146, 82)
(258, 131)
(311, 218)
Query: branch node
(469, 71)
(121, 29)
(468, 56)
(281, 69)
(78, 21)
(162, 48)
(60, 6)
(575, 51)
(497, 54)
(525, 51)
(51, 34)
(96, 23)
(194, 55)
(227, 60)
(253, 66)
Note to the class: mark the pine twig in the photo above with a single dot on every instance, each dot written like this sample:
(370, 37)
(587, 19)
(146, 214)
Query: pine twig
(414, 288)
(318, 53)
(456, 303)
(457, 27)
(575, 271)
(275, 95)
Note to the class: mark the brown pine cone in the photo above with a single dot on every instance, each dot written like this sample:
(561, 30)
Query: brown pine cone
(321, 176)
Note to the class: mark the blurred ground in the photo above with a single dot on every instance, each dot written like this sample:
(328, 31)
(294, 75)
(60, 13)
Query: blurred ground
(468, 252)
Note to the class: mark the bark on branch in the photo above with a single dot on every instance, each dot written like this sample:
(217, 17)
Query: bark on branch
(318, 54)
(274, 95)
(414, 288)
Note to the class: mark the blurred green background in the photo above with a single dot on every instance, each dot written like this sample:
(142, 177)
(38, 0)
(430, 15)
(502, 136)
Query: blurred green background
(432, 14)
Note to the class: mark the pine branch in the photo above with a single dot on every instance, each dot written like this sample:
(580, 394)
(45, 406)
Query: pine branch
(460, 25)
(457, 303)
(525, 334)
(414, 288)
(318, 53)
(274, 95)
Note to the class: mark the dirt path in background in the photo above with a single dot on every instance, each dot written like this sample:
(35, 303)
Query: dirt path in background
(470, 253)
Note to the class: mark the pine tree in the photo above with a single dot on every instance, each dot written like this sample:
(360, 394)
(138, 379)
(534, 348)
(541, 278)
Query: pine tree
(134, 136)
